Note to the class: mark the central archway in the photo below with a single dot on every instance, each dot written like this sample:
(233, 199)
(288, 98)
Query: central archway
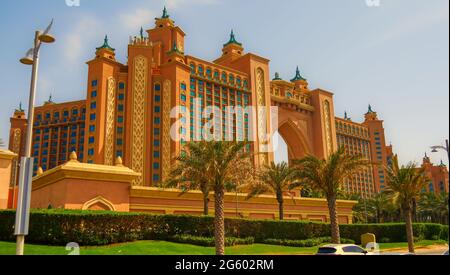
(292, 140)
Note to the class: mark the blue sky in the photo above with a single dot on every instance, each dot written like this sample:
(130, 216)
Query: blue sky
(394, 56)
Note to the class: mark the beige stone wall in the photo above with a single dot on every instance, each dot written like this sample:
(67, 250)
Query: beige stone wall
(6, 158)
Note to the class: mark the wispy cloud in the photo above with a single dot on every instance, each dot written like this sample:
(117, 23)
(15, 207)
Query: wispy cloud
(174, 4)
(416, 22)
(137, 18)
(85, 29)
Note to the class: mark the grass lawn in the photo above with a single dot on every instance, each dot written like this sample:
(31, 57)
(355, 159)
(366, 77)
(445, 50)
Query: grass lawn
(167, 248)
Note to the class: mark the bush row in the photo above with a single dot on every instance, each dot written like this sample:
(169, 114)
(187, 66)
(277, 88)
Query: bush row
(58, 227)
(209, 241)
(305, 243)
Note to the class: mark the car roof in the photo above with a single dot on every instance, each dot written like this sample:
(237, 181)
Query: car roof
(337, 245)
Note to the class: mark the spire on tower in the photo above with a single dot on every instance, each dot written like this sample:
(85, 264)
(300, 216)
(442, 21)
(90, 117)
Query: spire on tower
(165, 15)
(277, 76)
(298, 76)
(106, 44)
(232, 40)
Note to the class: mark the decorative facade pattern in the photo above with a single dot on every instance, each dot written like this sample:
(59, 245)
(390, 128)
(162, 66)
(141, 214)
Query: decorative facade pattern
(110, 118)
(262, 123)
(138, 122)
(328, 131)
(16, 140)
(166, 141)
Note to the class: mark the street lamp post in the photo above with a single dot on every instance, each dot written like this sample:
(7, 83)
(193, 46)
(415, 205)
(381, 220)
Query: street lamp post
(26, 163)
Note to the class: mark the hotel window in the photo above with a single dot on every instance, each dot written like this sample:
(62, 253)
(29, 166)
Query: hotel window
(94, 94)
(155, 177)
(119, 154)
(156, 154)
(157, 120)
(47, 115)
(120, 107)
(183, 86)
(157, 98)
(66, 113)
(94, 83)
(119, 142)
(216, 75)
(56, 115)
(93, 105)
(231, 79)
(208, 72)
(121, 86)
(192, 68)
(183, 97)
(119, 130)
(121, 96)
(157, 109)
(224, 77)
(156, 131)
(156, 165)
(92, 117)
(92, 128)
(120, 119)
(156, 143)
(200, 70)
(91, 152)
(157, 87)
(91, 140)
(75, 112)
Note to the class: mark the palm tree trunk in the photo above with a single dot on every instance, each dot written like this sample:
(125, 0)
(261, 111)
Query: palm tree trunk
(205, 204)
(409, 230)
(219, 222)
(335, 234)
(281, 209)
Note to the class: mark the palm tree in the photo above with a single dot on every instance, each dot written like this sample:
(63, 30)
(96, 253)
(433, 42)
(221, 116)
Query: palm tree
(227, 164)
(405, 185)
(328, 176)
(214, 166)
(275, 179)
(189, 172)
(378, 204)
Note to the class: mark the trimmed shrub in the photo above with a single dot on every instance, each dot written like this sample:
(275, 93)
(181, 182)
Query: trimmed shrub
(59, 227)
(304, 243)
(209, 241)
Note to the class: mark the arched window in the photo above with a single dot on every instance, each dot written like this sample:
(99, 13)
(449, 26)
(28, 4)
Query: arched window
(224, 77)
(200, 70)
(239, 81)
(231, 79)
(193, 68)
(208, 72)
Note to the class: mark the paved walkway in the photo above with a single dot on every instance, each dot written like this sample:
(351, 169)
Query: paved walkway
(428, 250)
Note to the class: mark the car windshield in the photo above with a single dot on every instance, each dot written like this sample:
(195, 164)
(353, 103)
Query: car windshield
(327, 250)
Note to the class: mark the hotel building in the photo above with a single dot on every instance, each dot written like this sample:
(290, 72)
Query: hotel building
(127, 111)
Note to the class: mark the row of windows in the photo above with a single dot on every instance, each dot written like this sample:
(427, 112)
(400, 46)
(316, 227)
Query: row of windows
(223, 77)
(351, 129)
(57, 114)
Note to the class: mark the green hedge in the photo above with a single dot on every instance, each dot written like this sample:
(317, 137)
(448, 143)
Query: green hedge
(305, 243)
(58, 227)
(209, 241)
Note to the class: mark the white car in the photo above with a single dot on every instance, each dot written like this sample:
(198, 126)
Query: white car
(342, 249)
